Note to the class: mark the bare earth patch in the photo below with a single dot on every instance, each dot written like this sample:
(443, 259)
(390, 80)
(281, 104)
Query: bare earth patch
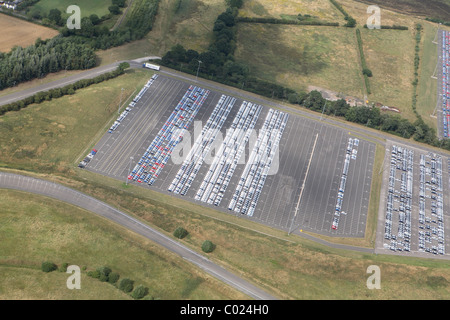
(17, 32)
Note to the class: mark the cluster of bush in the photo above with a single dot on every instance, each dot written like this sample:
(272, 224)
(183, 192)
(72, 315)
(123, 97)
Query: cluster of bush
(365, 69)
(416, 69)
(105, 274)
(286, 21)
(59, 92)
(371, 117)
(394, 27)
(351, 22)
(207, 245)
(436, 20)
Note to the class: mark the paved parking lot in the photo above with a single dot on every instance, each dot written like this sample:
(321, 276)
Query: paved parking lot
(414, 217)
(309, 154)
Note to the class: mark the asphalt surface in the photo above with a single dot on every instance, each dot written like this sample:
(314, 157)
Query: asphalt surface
(382, 245)
(76, 198)
(279, 197)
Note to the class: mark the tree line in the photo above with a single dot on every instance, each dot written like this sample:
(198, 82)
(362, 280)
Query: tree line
(35, 61)
(74, 49)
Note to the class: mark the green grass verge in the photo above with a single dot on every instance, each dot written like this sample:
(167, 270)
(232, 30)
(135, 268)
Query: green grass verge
(87, 7)
(36, 229)
(49, 136)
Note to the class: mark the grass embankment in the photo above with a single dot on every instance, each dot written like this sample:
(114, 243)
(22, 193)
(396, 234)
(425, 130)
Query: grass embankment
(48, 137)
(427, 86)
(35, 229)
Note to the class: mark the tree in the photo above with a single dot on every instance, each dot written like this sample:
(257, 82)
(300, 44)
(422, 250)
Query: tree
(235, 3)
(208, 246)
(63, 267)
(367, 72)
(119, 3)
(126, 285)
(94, 19)
(104, 273)
(113, 277)
(139, 292)
(180, 233)
(48, 266)
(114, 9)
(55, 16)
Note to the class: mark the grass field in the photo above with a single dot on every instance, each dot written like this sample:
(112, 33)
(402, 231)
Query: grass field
(39, 136)
(322, 9)
(87, 7)
(301, 56)
(390, 56)
(36, 229)
(190, 25)
(17, 32)
(427, 87)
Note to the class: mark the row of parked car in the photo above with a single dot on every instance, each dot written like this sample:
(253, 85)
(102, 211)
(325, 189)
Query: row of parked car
(159, 152)
(251, 183)
(201, 148)
(431, 235)
(446, 82)
(399, 202)
(127, 110)
(227, 158)
(87, 159)
(350, 154)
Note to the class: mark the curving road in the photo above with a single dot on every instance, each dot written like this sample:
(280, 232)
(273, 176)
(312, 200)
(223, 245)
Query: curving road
(76, 198)
(88, 74)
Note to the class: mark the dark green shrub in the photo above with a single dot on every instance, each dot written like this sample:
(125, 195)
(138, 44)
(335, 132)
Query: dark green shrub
(94, 274)
(208, 246)
(48, 266)
(126, 285)
(113, 277)
(63, 267)
(139, 292)
(180, 233)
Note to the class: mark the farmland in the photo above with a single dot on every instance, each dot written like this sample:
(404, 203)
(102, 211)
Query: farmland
(88, 7)
(16, 32)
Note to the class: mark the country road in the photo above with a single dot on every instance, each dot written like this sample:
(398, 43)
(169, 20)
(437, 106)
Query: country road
(76, 198)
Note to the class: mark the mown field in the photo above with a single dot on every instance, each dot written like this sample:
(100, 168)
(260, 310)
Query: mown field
(35, 229)
(17, 32)
(87, 7)
(300, 56)
(322, 9)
